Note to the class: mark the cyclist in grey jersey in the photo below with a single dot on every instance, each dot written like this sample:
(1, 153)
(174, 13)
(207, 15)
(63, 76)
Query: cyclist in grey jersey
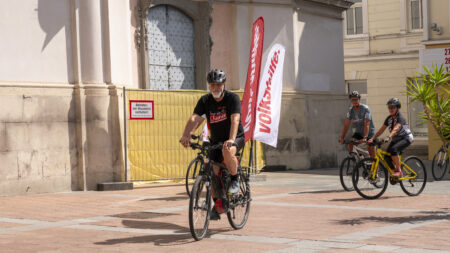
(359, 114)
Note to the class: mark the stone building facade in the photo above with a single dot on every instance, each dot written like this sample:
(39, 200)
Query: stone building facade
(64, 64)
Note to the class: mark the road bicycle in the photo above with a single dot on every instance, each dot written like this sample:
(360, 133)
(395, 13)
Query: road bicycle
(370, 176)
(440, 163)
(349, 163)
(196, 164)
(237, 206)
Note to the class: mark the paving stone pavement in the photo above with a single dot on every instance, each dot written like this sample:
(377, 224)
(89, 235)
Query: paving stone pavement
(302, 211)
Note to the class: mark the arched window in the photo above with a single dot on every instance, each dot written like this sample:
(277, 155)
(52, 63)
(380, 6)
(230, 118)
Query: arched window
(171, 54)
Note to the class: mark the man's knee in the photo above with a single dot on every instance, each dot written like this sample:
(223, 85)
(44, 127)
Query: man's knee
(228, 153)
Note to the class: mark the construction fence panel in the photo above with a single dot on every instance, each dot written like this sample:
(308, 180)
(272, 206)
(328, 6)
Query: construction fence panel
(153, 148)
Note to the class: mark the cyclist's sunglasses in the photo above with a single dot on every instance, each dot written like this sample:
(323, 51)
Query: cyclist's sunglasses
(392, 107)
(354, 99)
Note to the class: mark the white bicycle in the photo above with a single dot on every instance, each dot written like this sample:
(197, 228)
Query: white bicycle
(349, 163)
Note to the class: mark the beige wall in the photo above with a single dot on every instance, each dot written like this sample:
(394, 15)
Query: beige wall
(385, 56)
(224, 54)
(384, 17)
(61, 60)
(385, 79)
(39, 50)
(439, 13)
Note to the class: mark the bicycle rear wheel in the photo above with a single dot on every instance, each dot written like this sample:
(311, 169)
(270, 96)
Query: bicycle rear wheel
(439, 165)
(415, 185)
(192, 172)
(369, 184)
(199, 208)
(346, 172)
(239, 204)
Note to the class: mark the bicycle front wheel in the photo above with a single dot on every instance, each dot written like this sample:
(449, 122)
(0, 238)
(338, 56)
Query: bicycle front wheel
(199, 208)
(192, 172)
(369, 184)
(439, 165)
(239, 204)
(414, 176)
(346, 172)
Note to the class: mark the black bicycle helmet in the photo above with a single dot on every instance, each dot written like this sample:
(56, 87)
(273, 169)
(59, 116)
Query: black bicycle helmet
(216, 76)
(394, 101)
(354, 94)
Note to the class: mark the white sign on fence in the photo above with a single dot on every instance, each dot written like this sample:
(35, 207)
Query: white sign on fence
(141, 109)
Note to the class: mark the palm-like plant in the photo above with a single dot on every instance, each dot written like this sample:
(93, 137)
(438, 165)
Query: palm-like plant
(430, 88)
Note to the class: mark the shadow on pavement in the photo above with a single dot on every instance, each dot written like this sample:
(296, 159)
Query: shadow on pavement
(183, 237)
(157, 240)
(317, 192)
(168, 198)
(395, 220)
(358, 198)
(154, 225)
(141, 215)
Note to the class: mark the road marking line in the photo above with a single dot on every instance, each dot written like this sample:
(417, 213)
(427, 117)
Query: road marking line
(129, 230)
(283, 204)
(168, 209)
(247, 238)
(37, 224)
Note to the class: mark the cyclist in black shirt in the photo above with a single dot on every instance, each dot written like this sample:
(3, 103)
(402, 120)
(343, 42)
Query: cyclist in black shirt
(400, 134)
(223, 113)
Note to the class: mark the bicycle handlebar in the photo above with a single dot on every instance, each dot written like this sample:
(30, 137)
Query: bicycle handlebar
(352, 142)
(376, 142)
(205, 145)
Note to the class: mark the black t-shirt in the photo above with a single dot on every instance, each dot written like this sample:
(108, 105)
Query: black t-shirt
(219, 114)
(404, 131)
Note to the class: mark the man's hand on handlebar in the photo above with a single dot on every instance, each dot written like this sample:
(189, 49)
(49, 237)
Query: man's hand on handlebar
(184, 140)
(228, 144)
(341, 140)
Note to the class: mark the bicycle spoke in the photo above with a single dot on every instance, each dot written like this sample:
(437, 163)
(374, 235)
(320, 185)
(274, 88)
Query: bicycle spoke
(345, 173)
(440, 164)
(199, 208)
(414, 176)
(239, 205)
(370, 183)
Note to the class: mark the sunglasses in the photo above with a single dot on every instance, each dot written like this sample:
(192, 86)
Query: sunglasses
(392, 107)
(354, 99)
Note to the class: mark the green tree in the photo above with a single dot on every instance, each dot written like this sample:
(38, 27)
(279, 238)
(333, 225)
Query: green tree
(431, 89)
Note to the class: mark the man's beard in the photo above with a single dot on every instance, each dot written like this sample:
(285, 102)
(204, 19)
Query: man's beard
(217, 95)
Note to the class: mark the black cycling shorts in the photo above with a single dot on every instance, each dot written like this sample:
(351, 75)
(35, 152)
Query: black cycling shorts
(397, 146)
(217, 156)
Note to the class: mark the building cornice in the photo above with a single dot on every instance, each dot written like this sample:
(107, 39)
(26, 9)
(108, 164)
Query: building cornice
(381, 57)
(341, 4)
(435, 42)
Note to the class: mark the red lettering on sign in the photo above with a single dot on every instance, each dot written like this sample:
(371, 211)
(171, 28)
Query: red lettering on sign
(265, 116)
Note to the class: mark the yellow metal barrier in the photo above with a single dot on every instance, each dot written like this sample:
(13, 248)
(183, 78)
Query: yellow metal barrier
(154, 152)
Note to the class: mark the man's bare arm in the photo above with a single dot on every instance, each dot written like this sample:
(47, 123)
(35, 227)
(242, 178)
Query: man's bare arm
(235, 119)
(191, 125)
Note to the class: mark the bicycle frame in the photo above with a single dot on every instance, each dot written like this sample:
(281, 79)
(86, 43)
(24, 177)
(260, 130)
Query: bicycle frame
(379, 157)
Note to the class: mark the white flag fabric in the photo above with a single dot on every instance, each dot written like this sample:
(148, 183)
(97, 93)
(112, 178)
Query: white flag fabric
(269, 98)
(205, 130)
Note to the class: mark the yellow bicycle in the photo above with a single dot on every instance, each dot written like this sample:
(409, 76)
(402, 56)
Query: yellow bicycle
(370, 176)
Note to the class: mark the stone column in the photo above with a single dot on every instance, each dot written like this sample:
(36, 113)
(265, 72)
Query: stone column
(94, 112)
(90, 41)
